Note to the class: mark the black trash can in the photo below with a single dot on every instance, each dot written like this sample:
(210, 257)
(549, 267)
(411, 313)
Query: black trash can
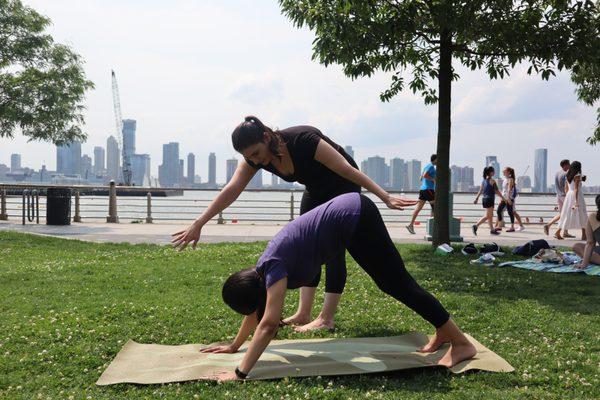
(58, 206)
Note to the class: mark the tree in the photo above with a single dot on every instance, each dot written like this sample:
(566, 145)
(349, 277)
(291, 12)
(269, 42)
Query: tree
(365, 36)
(587, 79)
(42, 83)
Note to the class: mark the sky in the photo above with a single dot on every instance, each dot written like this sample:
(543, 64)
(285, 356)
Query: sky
(189, 71)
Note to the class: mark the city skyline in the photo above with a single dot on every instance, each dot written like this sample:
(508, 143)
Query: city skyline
(200, 91)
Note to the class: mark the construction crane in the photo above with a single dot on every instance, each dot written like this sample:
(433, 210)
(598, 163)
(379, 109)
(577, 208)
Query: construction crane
(119, 122)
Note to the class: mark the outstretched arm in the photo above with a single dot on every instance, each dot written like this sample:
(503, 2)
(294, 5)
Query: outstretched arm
(248, 325)
(333, 160)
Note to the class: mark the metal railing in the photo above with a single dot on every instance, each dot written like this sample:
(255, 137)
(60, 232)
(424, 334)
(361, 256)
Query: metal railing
(253, 206)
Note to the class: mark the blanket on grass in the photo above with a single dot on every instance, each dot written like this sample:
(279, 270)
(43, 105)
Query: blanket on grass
(552, 267)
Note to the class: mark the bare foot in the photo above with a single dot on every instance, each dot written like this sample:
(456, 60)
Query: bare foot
(434, 343)
(457, 353)
(297, 319)
(317, 324)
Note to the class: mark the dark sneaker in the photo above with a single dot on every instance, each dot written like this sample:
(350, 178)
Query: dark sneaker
(469, 249)
(410, 229)
(494, 232)
(474, 228)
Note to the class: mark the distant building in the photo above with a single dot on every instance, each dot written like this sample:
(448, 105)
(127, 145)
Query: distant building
(181, 176)
(349, 150)
(99, 156)
(112, 159)
(376, 169)
(397, 174)
(523, 182)
(492, 161)
(274, 180)
(87, 170)
(191, 168)
(169, 171)
(129, 127)
(413, 172)
(140, 167)
(231, 166)
(68, 159)
(212, 169)
(540, 171)
(15, 162)
(256, 181)
(461, 178)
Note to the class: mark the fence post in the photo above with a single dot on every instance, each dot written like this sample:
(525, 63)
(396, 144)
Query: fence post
(77, 217)
(24, 194)
(149, 208)
(3, 214)
(220, 220)
(292, 207)
(37, 207)
(112, 204)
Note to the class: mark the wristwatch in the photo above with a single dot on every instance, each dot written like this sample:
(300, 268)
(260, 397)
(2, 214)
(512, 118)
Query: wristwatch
(240, 374)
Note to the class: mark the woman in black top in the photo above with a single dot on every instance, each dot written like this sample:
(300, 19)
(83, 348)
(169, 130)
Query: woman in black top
(298, 154)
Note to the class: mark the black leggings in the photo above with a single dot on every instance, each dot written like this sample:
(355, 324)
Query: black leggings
(509, 208)
(335, 269)
(373, 249)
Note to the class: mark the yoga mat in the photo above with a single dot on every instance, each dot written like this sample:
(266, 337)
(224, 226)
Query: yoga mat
(154, 363)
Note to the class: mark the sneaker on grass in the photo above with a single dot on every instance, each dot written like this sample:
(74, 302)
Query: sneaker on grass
(486, 260)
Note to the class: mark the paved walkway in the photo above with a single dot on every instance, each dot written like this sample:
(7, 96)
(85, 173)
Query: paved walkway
(159, 233)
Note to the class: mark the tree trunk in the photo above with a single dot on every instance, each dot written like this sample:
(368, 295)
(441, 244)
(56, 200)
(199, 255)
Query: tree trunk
(441, 228)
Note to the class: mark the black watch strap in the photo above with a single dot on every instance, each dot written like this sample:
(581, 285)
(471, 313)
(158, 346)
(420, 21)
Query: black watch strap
(240, 374)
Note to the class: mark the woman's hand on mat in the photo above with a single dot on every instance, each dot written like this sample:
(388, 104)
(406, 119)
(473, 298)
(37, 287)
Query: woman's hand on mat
(182, 238)
(579, 266)
(219, 349)
(398, 203)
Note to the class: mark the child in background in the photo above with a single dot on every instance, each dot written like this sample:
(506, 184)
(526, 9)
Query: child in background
(509, 192)
(489, 189)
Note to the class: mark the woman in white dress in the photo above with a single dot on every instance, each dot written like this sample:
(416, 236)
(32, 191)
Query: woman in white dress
(574, 213)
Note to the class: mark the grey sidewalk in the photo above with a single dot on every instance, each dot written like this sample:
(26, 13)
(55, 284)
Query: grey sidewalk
(159, 233)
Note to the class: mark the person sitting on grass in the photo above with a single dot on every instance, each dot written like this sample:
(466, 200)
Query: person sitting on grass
(489, 189)
(294, 256)
(590, 252)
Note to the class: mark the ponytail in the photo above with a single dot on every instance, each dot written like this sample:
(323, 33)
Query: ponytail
(253, 131)
(598, 208)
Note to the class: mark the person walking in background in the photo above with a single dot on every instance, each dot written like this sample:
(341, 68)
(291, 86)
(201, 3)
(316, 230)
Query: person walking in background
(296, 154)
(574, 212)
(489, 189)
(426, 191)
(560, 185)
(509, 192)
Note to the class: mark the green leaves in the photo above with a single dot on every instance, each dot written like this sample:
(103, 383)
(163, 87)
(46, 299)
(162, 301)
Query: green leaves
(587, 79)
(42, 83)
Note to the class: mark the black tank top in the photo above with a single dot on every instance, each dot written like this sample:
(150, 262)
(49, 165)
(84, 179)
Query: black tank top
(321, 182)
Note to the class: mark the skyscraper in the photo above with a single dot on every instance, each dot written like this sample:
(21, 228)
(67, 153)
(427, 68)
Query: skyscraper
(274, 180)
(492, 161)
(68, 159)
(140, 168)
(375, 168)
(413, 173)
(349, 150)
(15, 162)
(397, 173)
(191, 168)
(86, 167)
(212, 169)
(540, 171)
(98, 160)
(169, 171)
(461, 178)
(231, 166)
(112, 159)
(129, 127)
(256, 181)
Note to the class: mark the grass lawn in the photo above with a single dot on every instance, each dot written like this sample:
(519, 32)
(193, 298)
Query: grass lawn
(67, 307)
